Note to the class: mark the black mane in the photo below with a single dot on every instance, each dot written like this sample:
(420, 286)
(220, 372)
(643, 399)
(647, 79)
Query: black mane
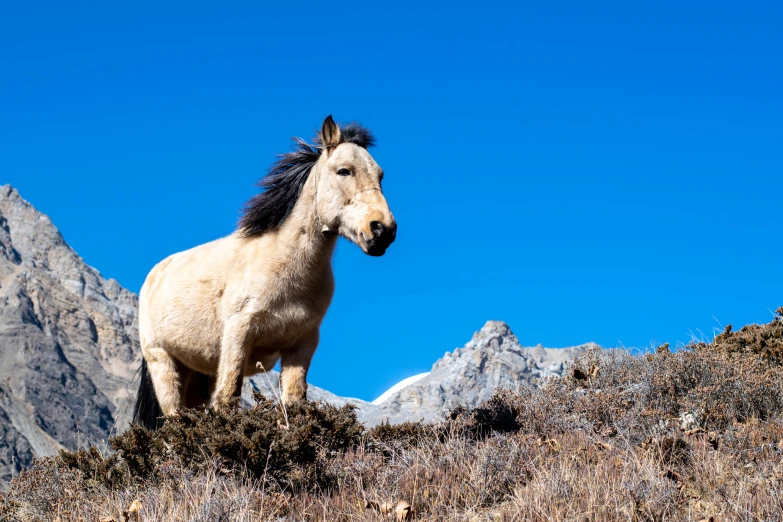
(283, 183)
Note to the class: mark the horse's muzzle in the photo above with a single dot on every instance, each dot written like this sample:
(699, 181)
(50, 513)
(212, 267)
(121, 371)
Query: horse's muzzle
(383, 236)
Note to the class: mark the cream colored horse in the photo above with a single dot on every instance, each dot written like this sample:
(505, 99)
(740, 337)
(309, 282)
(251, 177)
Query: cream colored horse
(230, 308)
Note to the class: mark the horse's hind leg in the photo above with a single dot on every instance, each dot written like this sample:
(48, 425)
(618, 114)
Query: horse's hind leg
(165, 378)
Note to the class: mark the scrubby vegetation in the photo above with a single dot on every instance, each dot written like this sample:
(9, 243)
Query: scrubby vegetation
(694, 434)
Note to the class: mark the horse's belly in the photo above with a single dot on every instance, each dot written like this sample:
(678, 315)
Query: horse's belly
(195, 343)
(196, 355)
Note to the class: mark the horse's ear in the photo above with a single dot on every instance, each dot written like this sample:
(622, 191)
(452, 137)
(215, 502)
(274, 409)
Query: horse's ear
(330, 133)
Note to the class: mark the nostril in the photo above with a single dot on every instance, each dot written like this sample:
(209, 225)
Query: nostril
(377, 228)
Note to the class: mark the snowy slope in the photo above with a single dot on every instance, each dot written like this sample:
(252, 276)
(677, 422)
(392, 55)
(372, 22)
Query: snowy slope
(400, 385)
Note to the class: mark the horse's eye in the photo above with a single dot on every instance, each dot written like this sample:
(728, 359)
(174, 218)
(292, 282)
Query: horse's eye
(344, 172)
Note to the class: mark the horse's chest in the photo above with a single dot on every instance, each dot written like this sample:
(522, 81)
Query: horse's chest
(284, 325)
(290, 312)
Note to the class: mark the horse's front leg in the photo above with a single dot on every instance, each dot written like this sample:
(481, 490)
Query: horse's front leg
(233, 352)
(294, 364)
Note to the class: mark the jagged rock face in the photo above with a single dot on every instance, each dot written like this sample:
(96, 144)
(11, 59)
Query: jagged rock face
(468, 376)
(68, 342)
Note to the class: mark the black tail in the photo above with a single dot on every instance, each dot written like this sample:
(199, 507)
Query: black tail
(147, 411)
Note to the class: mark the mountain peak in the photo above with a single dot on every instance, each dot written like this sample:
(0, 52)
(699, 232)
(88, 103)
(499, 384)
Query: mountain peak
(29, 232)
(494, 328)
(7, 191)
(494, 335)
(13, 198)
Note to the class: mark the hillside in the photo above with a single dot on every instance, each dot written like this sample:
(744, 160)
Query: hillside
(695, 434)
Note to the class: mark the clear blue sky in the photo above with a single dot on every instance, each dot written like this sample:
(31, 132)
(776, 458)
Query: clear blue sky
(608, 173)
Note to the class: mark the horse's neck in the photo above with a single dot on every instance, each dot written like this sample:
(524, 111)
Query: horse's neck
(301, 238)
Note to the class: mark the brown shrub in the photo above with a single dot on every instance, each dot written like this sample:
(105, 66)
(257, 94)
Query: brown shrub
(406, 433)
(261, 442)
(765, 340)
(387, 438)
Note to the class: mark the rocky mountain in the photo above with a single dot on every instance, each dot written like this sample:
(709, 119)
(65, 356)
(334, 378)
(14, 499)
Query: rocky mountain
(468, 376)
(69, 351)
(68, 342)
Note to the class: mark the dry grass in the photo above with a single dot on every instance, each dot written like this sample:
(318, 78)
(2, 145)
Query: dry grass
(607, 442)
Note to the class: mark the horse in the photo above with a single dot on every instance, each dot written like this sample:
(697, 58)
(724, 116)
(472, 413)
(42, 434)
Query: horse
(231, 308)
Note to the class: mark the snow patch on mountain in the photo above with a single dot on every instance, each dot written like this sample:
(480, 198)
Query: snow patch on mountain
(397, 387)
